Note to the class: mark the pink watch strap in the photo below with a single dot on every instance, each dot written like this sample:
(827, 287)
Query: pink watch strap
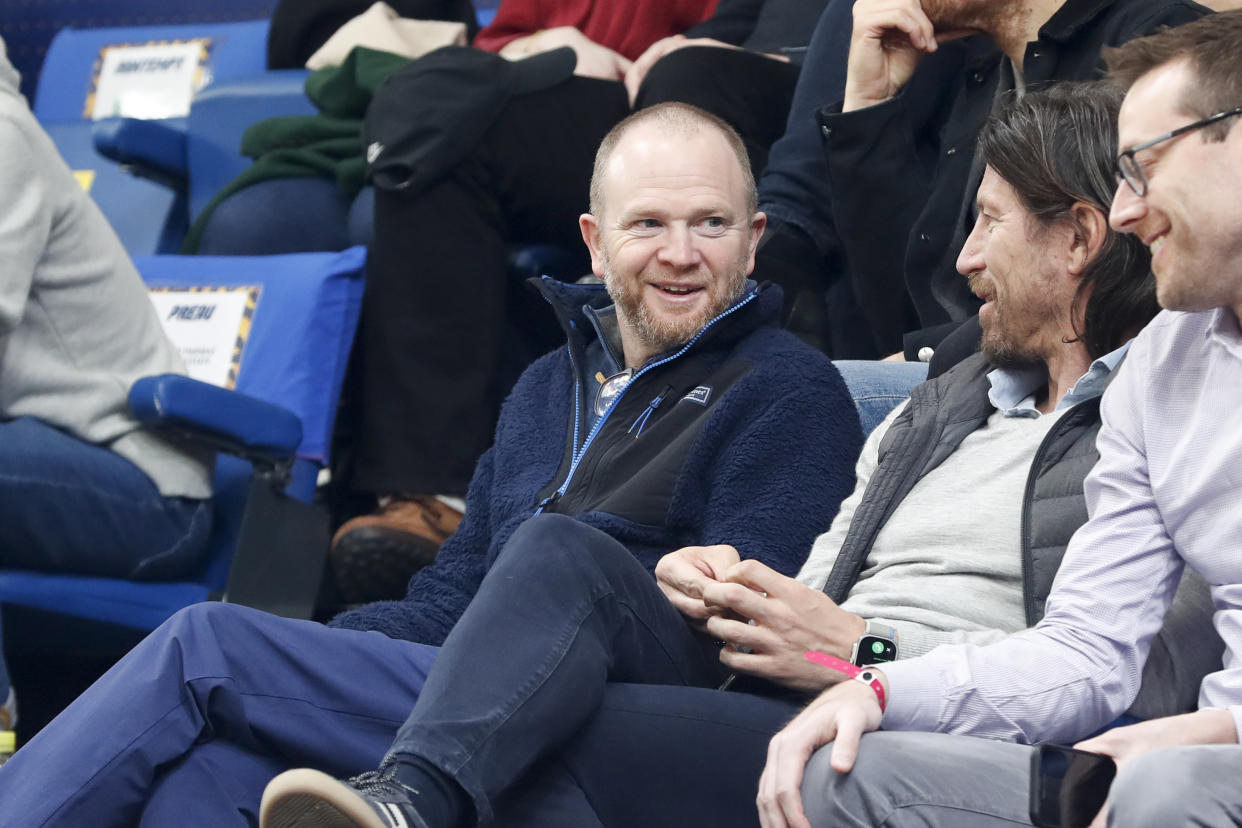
(865, 675)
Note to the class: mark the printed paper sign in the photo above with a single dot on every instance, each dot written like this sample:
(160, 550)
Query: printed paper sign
(148, 80)
(209, 326)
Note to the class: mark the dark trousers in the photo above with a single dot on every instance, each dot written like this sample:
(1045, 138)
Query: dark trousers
(564, 610)
(657, 756)
(444, 329)
(220, 698)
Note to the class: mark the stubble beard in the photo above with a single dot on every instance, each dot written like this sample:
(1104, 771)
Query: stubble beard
(999, 344)
(662, 335)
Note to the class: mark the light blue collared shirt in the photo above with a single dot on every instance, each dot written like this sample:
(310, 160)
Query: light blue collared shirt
(1013, 392)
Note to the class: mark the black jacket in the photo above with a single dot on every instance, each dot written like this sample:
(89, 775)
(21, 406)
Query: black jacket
(940, 415)
(902, 173)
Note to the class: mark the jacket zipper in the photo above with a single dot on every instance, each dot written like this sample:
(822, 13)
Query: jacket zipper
(580, 453)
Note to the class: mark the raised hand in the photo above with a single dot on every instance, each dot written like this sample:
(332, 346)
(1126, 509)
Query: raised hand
(889, 39)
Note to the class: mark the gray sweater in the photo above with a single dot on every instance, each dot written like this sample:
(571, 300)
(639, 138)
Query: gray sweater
(76, 326)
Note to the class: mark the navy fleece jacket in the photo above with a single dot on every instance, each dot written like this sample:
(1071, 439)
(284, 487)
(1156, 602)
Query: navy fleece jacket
(748, 437)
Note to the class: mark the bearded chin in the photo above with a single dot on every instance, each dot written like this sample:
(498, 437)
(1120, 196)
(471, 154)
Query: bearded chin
(1001, 353)
(662, 335)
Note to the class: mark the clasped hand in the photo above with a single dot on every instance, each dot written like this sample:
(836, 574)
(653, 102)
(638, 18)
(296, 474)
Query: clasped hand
(767, 620)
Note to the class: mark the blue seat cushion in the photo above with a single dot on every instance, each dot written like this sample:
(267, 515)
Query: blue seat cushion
(301, 330)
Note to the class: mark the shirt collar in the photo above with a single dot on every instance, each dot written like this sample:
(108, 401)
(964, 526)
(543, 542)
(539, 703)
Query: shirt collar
(608, 332)
(1014, 390)
(1225, 331)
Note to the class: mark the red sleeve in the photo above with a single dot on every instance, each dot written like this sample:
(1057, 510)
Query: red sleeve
(625, 27)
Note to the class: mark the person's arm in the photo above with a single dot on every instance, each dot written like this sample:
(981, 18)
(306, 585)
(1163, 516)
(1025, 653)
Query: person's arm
(787, 429)
(795, 615)
(882, 165)
(25, 224)
(1081, 666)
(437, 595)
(814, 572)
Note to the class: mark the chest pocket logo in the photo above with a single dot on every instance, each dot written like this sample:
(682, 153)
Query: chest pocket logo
(700, 395)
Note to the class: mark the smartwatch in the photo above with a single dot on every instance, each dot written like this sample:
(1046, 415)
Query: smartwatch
(875, 646)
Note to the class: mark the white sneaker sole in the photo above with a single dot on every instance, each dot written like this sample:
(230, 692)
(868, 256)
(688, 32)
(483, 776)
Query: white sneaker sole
(306, 798)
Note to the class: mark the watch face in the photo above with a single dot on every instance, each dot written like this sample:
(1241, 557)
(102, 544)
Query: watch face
(873, 649)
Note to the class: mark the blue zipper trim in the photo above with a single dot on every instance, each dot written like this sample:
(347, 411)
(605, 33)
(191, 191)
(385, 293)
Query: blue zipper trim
(640, 422)
(578, 455)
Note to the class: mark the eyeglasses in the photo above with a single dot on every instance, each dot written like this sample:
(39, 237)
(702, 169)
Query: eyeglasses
(1129, 169)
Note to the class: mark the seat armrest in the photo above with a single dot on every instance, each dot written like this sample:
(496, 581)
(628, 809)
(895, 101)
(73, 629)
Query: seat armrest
(154, 149)
(226, 420)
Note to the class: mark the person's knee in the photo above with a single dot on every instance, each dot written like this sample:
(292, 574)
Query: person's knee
(684, 75)
(552, 545)
(831, 798)
(1157, 788)
(207, 622)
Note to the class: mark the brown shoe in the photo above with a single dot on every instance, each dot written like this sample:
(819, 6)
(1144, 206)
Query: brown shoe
(374, 556)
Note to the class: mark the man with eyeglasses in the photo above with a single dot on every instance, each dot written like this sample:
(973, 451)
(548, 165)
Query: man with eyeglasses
(1163, 496)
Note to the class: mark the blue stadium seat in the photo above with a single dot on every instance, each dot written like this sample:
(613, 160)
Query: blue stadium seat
(149, 216)
(268, 544)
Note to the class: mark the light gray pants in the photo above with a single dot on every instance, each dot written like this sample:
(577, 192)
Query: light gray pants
(935, 779)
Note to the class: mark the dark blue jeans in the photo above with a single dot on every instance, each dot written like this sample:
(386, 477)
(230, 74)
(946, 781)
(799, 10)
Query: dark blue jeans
(564, 610)
(72, 507)
(656, 756)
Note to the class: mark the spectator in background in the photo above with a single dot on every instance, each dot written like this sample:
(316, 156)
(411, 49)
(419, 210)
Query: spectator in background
(83, 489)
(879, 185)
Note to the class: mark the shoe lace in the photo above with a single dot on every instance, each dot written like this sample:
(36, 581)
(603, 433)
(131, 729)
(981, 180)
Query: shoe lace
(383, 784)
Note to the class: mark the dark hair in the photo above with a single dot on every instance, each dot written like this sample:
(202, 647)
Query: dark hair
(1056, 148)
(1210, 45)
(677, 117)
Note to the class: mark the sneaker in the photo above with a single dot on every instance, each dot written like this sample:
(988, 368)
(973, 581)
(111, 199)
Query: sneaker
(374, 556)
(306, 798)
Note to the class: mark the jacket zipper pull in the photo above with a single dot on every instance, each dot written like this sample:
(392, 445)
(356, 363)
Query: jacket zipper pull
(548, 501)
(641, 422)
